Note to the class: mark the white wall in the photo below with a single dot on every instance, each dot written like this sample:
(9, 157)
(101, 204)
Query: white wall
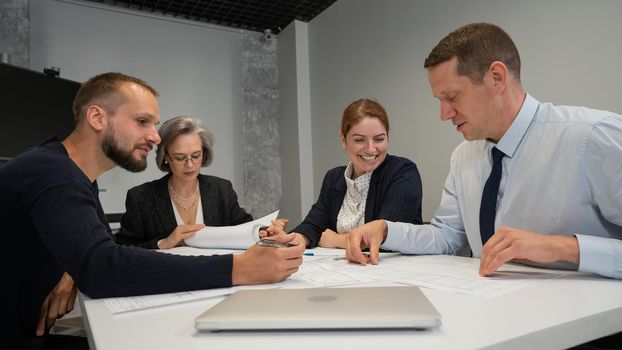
(295, 123)
(196, 68)
(570, 51)
(288, 126)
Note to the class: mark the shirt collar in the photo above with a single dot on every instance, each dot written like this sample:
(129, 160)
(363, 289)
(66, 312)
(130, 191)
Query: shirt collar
(359, 182)
(349, 170)
(515, 134)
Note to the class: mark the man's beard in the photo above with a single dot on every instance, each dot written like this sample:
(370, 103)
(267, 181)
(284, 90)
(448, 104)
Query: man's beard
(121, 157)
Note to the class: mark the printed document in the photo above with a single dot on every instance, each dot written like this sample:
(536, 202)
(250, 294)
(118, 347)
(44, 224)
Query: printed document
(230, 237)
(329, 268)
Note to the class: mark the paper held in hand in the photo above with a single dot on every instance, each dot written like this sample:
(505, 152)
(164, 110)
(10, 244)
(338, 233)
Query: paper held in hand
(230, 237)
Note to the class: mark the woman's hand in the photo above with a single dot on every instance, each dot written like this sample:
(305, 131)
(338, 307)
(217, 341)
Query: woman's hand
(277, 228)
(332, 239)
(176, 238)
(276, 232)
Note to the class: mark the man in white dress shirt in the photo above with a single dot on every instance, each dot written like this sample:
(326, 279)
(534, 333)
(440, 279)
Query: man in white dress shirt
(559, 183)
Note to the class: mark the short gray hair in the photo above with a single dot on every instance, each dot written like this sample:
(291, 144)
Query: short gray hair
(183, 125)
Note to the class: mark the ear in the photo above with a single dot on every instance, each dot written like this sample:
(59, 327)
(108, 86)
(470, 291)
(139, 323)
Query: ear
(342, 139)
(96, 117)
(499, 75)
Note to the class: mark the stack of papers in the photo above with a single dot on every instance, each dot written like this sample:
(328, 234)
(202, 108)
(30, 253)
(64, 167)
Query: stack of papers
(329, 268)
(230, 237)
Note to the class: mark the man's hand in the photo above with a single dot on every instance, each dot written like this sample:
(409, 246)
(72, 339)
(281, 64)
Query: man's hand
(59, 302)
(513, 244)
(176, 238)
(371, 235)
(258, 265)
(332, 239)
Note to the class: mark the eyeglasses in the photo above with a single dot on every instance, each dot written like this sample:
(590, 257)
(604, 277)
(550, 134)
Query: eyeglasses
(181, 160)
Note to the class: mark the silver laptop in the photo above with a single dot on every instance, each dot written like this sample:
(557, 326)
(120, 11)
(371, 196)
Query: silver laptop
(321, 308)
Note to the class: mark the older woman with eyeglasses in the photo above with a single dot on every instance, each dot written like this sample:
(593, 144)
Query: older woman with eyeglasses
(160, 214)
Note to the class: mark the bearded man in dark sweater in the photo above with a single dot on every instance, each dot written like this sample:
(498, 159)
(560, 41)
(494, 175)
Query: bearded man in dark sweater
(56, 232)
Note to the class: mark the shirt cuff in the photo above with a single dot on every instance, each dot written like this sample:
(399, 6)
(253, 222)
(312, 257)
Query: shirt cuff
(595, 255)
(394, 237)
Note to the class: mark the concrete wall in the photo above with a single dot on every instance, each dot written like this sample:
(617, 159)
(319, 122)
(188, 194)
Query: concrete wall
(14, 32)
(260, 124)
(370, 48)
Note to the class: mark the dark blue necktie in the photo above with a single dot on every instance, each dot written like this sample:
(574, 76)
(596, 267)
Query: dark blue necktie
(488, 209)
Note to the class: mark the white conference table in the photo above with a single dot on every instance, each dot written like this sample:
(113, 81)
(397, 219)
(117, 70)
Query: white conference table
(560, 312)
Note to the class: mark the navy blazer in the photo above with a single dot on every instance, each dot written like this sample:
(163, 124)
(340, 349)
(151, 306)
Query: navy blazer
(149, 215)
(394, 194)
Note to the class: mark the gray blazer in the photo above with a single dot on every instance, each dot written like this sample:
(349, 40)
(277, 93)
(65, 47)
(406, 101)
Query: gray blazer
(149, 215)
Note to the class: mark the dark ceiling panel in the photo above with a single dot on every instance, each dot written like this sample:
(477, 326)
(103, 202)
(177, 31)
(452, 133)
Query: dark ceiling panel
(255, 15)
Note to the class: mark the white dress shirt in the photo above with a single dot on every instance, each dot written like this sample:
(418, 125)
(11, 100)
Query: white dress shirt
(562, 174)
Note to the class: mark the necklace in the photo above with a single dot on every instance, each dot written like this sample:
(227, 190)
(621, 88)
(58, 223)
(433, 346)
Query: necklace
(181, 206)
(192, 196)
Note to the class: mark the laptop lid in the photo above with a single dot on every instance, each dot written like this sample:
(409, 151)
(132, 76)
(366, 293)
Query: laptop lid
(321, 308)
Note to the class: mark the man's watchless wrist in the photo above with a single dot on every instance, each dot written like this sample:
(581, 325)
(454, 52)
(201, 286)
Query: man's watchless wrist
(385, 231)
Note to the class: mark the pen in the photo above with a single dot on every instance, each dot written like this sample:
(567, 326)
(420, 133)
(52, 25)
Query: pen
(273, 244)
(308, 253)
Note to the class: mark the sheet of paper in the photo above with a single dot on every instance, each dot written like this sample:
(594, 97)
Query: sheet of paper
(458, 275)
(230, 237)
(452, 274)
(126, 304)
(310, 275)
(322, 273)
